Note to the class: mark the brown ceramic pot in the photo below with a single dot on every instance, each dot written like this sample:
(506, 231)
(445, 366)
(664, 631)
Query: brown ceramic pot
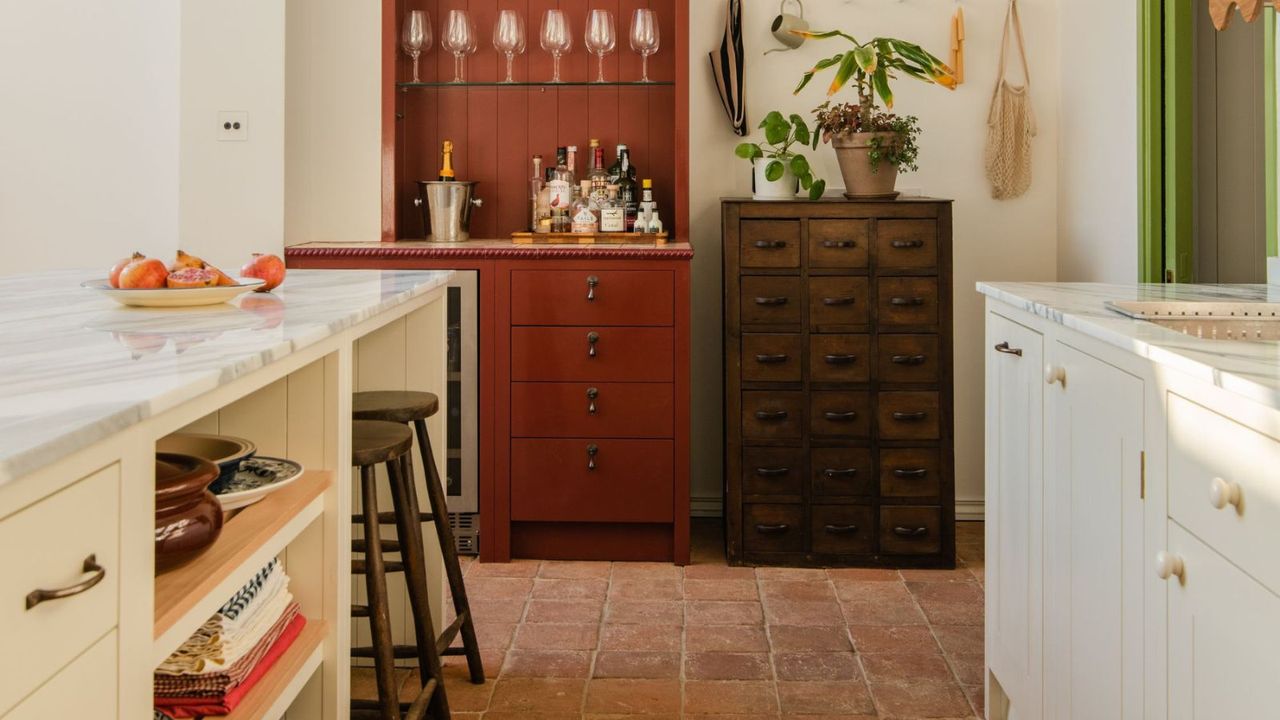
(861, 180)
(188, 516)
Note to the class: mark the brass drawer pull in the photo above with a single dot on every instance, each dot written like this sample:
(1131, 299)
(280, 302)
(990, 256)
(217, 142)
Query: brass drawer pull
(592, 451)
(839, 301)
(840, 359)
(772, 301)
(592, 394)
(906, 244)
(772, 359)
(910, 416)
(841, 529)
(838, 244)
(592, 339)
(1004, 348)
(835, 416)
(35, 597)
(592, 282)
(772, 529)
(913, 473)
(771, 415)
(833, 473)
(906, 302)
(915, 532)
(908, 359)
(771, 244)
(773, 472)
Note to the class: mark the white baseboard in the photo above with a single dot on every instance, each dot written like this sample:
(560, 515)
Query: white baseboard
(971, 509)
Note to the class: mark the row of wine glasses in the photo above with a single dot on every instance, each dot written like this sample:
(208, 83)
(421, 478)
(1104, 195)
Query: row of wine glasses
(509, 38)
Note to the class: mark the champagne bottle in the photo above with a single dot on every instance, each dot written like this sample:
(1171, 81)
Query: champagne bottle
(446, 164)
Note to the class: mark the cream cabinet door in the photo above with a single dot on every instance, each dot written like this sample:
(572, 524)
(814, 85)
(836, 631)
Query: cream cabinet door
(1014, 513)
(84, 689)
(1094, 559)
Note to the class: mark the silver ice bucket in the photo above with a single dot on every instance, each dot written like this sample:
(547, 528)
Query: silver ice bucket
(446, 209)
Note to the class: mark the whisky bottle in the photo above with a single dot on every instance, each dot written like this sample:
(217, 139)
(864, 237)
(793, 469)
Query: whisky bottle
(599, 176)
(560, 192)
(612, 216)
(586, 214)
(615, 170)
(572, 161)
(627, 187)
(535, 189)
(446, 164)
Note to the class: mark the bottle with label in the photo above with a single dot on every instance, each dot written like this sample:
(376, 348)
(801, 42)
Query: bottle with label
(615, 170)
(536, 184)
(627, 187)
(645, 206)
(599, 176)
(586, 214)
(612, 216)
(572, 161)
(560, 192)
(446, 163)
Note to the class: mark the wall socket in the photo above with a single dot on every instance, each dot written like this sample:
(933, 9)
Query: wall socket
(233, 126)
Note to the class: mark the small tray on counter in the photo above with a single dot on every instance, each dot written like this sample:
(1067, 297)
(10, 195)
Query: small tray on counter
(603, 238)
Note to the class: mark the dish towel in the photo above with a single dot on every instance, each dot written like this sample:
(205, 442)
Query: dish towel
(222, 682)
(726, 68)
(1011, 123)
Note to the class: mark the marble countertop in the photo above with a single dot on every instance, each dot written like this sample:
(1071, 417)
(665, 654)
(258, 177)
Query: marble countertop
(1249, 369)
(76, 368)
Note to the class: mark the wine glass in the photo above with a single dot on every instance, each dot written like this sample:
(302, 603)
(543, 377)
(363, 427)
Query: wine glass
(557, 39)
(601, 37)
(508, 36)
(459, 39)
(644, 38)
(415, 38)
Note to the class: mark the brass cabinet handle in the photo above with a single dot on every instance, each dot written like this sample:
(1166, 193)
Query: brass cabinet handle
(906, 244)
(908, 359)
(846, 416)
(838, 244)
(906, 301)
(839, 301)
(772, 359)
(833, 473)
(907, 532)
(770, 415)
(841, 529)
(592, 339)
(592, 450)
(910, 416)
(35, 597)
(840, 359)
(592, 394)
(1004, 348)
(771, 301)
(771, 244)
(772, 529)
(773, 472)
(592, 282)
(912, 473)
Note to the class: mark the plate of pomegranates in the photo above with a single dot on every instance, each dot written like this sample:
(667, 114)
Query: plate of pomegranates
(141, 281)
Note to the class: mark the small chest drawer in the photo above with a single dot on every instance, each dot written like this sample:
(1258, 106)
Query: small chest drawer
(619, 410)
(842, 529)
(841, 472)
(592, 480)
(838, 301)
(771, 415)
(602, 354)
(906, 244)
(772, 471)
(839, 243)
(61, 567)
(910, 473)
(840, 414)
(771, 300)
(770, 243)
(907, 301)
(910, 530)
(771, 358)
(773, 528)
(908, 415)
(592, 297)
(840, 358)
(907, 358)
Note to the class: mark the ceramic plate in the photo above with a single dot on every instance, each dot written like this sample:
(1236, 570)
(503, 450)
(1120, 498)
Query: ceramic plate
(174, 297)
(257, 478)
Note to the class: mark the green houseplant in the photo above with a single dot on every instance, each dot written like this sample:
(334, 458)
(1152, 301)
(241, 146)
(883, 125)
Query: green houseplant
(779, 169)
(871, 144)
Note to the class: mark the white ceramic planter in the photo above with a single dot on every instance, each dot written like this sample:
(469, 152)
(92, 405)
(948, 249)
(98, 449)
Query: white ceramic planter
(784, 188)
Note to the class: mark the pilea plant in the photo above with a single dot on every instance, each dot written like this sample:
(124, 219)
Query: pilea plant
(781, 134)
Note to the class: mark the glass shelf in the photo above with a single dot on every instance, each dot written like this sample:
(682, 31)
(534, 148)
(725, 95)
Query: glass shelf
(405, 86)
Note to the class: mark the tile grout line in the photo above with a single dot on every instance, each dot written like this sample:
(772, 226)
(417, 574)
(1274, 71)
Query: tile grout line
(764, 622)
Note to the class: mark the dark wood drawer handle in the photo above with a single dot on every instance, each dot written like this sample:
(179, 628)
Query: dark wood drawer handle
(772, 359)
(771, 244)
(840, 359)
(906, 301)
(773, 472)
(908, 359)
(839, 301)
(836, 416)
(841, 529)
(772, 301)
(772, 529)
(915, 532)
(592, 451)
(771, 415)
(914, 473)
(592, 394)
(592, 339)
(838, 244)
(910, 416)
(35, 597)
(833, 473)
(1004, 348)
(592, 282)
(906, 244)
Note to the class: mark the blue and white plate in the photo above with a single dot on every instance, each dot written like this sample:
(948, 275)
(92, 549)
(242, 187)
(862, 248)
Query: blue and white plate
(257, 478)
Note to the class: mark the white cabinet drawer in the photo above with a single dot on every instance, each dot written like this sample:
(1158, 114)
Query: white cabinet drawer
(45, 547)
(1215, 461)
(84, 689)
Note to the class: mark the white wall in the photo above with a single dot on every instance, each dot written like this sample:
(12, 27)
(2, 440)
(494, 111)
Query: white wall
(993, 240)
(89, 132)
(1098, 202)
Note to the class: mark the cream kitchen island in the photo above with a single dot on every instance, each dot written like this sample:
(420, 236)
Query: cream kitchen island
(1132, 507)
(88, 387)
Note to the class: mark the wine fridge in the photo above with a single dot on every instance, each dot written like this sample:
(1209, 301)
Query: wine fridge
(462, 428)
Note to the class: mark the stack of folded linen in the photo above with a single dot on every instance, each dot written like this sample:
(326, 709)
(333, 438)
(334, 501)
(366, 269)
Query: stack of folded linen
(214, 669)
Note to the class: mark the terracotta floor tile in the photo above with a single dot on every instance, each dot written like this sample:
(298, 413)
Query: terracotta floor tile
(492, 660)
(513, 569)
(492, 588)
(717, 612)
(718, 571)
(813, 591)
(364, 683)
(871, 591)
(508, 611)
(893, 639)
(464, 715)
(630, 716)
(960, 639)
(524, 715)
(878, 603)
(737, 716)
(467, 697)
(976, 695)
(803, 612)
(959, 574)
(494, 636)
(647, 612)
(564, 611)
(530, 695)
(721, 589)
(725, 638)
(727, 666)
(612, 664)
(799, 638)
(952, 603)
(570, 588)
(863, 574)
(786, 573)
(645, 589)
(969, 668)
(556, 636)
(641, 638)
(816, 666)
(906, 667)
(575, 569)
(647, 570)
(548, 663)
(921, 699)
(840, 697)
(728, 696)
(810, 716)
(623, 696)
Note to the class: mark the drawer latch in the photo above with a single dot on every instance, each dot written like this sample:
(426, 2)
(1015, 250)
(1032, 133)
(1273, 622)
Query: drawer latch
(592, 282)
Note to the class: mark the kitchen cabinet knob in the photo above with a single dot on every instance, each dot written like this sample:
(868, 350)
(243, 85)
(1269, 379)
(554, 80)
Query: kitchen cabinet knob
(909, 532)
(833, 473)
(773, 472)
(1223, 493)
(1054, 374)
(910, 416)
(906, 244)
(839, 301)
(771, 301)
(906, 301)
(35, 597)
(1004, 348)
(908, 359)
(836, 416)
(771, 415)
(592, 339)
(771, 244)
(1168, 565)
(772, 359)
(841, 529)
(772, 529)
(592, 282)
(592, 394)
(913, 473)
(838, 244)
(840, 359)
(592, 450)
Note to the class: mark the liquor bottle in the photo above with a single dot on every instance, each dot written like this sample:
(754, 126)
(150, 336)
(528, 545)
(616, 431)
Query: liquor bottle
(627, 187)
(615, 170)
(560, 192)
(572, 162)
(612, 216)
(535, 189)
(544, 202)
(586, 214)
(599, 176)
(446, 164)
(644, 207)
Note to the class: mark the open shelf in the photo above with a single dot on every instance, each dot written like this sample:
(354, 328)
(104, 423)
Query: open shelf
(187, 595)
(548, 84)
(275, 692)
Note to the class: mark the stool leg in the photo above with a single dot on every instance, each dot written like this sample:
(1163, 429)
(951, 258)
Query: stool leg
(379, 610)
(453, 569)
(415, 569)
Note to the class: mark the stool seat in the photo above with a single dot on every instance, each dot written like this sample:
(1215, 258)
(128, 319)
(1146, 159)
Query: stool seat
(399, 406)
(374, 442)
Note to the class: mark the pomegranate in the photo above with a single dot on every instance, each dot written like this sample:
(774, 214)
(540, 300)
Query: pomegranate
(113, 278)
(143, 273)
(184, 260)
(191, 278)
(268, 268)
(223, 278)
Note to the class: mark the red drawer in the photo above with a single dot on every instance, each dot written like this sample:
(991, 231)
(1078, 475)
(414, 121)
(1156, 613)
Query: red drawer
(600, 354)
(592, 480)
(592, 297)
(583, 409)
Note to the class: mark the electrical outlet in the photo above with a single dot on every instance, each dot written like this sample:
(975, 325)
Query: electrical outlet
(233, 126)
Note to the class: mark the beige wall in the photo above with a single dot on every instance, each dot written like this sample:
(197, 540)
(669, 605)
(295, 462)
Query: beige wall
(993, 240)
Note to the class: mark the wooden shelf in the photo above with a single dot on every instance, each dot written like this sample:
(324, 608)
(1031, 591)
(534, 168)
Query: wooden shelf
(277, 689)
(187, 595)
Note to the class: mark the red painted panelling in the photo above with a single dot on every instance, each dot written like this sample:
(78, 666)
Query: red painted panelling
(662, 138)
(566, 297)
(512, 197)
(622, 354)
(554, 480)
(618, 410)
(592, 541)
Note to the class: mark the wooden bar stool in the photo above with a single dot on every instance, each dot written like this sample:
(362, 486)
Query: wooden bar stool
(413, 408)
(373, 443)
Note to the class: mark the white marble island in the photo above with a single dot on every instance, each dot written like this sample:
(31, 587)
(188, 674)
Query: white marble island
(86, 389)
(1132, 502)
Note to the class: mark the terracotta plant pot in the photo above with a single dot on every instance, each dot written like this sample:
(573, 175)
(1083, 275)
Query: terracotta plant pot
(784, 188)
(188, 516)
(861, 180)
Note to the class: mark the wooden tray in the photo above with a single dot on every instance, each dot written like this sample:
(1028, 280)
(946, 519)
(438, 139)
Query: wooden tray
(623, 238)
